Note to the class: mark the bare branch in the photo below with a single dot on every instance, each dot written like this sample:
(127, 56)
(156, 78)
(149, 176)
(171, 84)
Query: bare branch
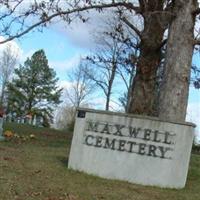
(142, 5)
(11, 11)
(164, 42)
(196, 42)
(196, 12)
(128, 23)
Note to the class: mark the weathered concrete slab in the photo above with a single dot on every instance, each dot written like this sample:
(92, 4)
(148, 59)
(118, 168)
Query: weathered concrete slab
(137, 149)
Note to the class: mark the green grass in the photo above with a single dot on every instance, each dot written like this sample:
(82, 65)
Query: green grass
(36, 169)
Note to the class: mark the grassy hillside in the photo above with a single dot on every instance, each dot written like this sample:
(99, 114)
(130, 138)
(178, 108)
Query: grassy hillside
(36, 169)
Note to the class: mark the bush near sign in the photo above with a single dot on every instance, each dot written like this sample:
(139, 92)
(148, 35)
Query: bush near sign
(137, 149)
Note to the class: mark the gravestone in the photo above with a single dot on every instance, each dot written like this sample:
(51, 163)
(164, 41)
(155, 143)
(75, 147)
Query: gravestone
(1, 123)
(142, 150)
(1, 129)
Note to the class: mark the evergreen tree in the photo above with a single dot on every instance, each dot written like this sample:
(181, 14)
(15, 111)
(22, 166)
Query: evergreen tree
(33, 90)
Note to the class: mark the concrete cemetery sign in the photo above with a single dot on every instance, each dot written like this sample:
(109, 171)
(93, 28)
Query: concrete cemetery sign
(137, 149)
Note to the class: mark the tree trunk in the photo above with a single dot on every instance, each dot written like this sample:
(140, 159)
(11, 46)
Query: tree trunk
(2, 93)
(110, 84)
(129, 89)
(107, 102)
(143, 96)
(175, 85)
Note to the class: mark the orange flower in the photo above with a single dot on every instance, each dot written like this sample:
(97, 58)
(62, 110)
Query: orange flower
(8, 134)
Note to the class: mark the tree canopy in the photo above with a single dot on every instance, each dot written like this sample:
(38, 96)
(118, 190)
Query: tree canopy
(34, 89)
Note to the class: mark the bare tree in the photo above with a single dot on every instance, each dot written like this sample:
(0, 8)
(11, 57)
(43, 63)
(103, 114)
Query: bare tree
(64, 117)
(127, 73)
(105, 62)
(77, 94)
(80, 86)
(8, 61)
(40, 13)
(128, 51)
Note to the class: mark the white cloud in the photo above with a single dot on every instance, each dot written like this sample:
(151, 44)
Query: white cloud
(64, 84)
(26, 55)
(16, 49)
(63, 66)
(100, 103)
(193, 115)
(81, 34)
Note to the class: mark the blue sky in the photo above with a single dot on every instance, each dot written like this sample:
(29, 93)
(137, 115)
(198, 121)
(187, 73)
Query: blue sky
(58, 48)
